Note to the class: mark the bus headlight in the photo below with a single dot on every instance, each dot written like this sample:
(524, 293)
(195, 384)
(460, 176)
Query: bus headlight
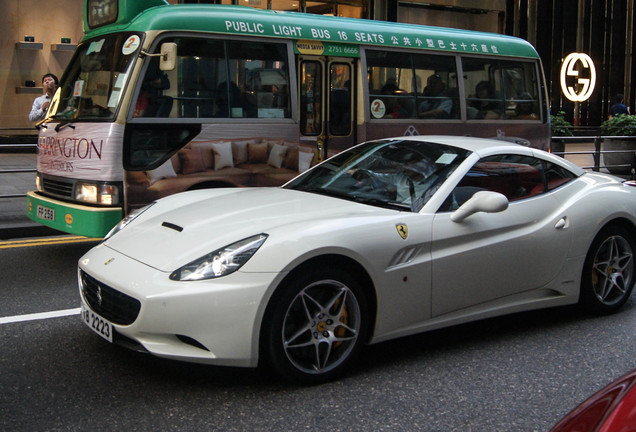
(97, 193)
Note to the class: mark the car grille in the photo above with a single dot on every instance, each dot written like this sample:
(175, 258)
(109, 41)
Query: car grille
(111, 304)
(57, 187)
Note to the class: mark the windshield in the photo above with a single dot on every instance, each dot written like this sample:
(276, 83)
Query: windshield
(93, 82)
(401, 175)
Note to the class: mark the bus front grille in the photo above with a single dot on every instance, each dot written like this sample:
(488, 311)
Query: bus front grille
(58, 187)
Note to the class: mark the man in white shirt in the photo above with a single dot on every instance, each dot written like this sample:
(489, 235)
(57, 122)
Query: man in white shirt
(41, 103)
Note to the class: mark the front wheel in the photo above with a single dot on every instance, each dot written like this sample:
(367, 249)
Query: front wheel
(316, 326)
(608, 272)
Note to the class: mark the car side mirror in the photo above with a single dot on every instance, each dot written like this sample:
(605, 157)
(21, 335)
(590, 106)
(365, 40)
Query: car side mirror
(482, 201)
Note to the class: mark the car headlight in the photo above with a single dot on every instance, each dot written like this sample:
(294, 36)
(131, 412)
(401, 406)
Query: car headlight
(125, 221)
(97, 193)
(220, 262)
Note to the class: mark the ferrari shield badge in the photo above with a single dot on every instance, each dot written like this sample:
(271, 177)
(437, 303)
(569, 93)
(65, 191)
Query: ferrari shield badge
(402, 230)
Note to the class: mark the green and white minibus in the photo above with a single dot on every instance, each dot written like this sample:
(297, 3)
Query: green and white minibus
(161, 98)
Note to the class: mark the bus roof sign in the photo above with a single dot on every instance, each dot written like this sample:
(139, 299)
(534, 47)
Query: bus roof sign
(247, 21)
(100, 13)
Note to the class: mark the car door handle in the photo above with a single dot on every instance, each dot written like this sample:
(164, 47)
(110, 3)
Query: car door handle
(561, 223)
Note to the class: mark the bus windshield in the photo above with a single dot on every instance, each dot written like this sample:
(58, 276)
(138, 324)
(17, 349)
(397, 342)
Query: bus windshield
(93, 83)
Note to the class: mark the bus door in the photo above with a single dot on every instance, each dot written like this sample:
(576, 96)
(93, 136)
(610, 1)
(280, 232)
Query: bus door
(326, 104)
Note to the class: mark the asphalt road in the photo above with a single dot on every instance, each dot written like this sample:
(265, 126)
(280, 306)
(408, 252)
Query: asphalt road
(518, 373)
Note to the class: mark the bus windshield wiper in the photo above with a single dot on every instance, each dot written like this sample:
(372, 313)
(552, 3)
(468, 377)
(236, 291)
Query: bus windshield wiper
(64, 123)
(43, 123)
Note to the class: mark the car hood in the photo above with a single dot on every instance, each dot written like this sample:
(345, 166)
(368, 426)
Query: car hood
(179, 229)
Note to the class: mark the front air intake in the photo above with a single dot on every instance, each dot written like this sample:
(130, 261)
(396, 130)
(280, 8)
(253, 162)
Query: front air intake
(111, 304)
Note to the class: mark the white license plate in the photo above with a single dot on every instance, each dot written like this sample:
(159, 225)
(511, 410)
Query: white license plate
(98, 324)
(46, 213)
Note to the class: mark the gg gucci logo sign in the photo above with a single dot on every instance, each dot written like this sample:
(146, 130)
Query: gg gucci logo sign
(587, 84)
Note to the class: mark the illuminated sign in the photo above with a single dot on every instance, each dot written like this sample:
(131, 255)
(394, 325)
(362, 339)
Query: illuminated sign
(101, 12)
(585, 85)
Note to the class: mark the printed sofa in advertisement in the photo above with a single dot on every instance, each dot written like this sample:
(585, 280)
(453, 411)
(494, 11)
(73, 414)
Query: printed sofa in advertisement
(218, 163)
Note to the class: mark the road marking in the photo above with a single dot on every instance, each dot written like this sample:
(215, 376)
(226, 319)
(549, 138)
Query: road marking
(39, 316)
(46, 241)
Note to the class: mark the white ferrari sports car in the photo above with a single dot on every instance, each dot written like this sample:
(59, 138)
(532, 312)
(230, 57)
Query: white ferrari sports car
(387, 239)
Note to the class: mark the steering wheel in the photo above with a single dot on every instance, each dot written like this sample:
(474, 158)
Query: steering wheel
(363, 176)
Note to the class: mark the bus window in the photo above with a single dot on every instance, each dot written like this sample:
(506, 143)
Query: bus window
(500, 90)
(439, 99)
(251, 81)
(391, 86)
(94, 80)
(261, 73)
(151, 101)
(405, 85)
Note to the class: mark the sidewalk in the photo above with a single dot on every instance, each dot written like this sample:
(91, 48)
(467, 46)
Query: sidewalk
(13, 219)
(586, 160)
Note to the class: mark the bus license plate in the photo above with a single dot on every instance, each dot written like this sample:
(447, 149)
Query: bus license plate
(46, 213)
(98, 324)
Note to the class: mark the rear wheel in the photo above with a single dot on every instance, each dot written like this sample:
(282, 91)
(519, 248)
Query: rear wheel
(608, 273)
(315, 326)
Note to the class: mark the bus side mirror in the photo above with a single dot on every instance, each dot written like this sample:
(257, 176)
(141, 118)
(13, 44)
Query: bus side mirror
(168, 56)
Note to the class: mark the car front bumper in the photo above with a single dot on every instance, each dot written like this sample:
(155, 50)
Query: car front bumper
(214, 321)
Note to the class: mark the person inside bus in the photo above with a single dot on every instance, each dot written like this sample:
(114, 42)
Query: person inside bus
(393, 107)
(41, 103)
(525, 108)
(151, 101)
(340, 109)
(436, 103)
(484, 104)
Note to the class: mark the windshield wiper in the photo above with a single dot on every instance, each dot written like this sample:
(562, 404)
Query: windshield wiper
(327, 192)
(64, 123)
(43, 123)
(393, 205)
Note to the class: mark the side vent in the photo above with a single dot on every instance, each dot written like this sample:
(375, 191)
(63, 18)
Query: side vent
(405, 255)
